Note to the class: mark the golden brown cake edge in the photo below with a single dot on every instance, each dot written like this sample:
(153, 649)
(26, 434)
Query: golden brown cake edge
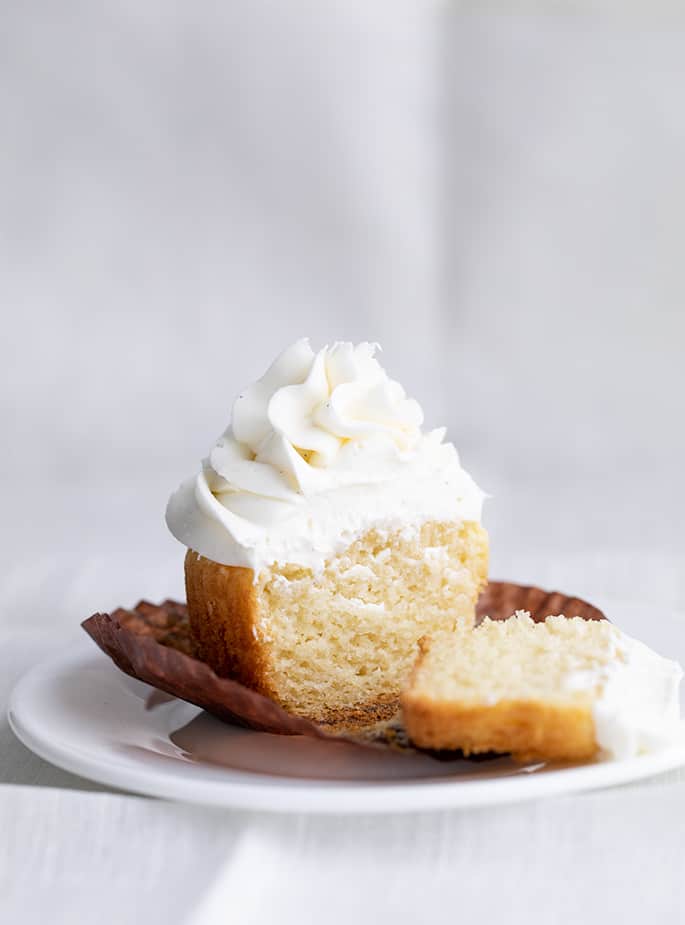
(529, 730)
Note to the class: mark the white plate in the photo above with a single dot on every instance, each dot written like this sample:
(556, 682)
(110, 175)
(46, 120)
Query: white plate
(79, 712)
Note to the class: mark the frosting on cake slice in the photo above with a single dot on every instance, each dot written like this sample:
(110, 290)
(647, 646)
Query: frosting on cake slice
(559, 689)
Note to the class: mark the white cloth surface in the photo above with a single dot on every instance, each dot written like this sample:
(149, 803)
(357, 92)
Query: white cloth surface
(117, 860)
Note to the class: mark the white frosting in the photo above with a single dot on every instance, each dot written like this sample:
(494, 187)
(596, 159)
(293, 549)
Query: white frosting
(322, 448)
(637, 707)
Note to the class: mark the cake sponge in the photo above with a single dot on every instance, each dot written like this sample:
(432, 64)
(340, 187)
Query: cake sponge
(337, 645)
(558, 689)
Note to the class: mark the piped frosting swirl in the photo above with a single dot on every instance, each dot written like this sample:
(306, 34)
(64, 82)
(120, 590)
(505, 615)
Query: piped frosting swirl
(322, 447)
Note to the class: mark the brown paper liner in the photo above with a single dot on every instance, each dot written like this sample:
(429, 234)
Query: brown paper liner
(153, 644)
(501, 599)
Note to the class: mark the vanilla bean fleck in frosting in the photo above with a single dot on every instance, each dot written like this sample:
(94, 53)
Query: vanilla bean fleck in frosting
(323, 447)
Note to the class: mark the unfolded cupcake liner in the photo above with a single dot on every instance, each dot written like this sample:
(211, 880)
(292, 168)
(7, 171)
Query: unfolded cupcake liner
(153, 643)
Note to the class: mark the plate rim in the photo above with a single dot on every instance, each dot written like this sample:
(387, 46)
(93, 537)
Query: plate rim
(250, 791)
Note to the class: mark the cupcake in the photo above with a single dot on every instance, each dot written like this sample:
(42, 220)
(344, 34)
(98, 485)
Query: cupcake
(326, 533)
(561, 689)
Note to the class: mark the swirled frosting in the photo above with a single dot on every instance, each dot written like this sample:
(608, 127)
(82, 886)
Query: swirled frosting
(321, 448)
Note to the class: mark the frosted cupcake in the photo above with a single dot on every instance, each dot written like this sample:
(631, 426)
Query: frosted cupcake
(326, 534)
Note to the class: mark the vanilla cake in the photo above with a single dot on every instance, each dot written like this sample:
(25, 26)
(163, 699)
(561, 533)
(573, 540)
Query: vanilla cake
(560, 689)
(326, 534)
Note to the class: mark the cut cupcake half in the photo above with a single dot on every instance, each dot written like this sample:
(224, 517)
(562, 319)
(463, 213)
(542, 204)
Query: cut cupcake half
(564, 689)
(336, 645)
(326, 533)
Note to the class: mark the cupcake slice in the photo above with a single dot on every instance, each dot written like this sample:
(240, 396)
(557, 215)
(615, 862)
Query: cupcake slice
(326, 534)
(560, 689)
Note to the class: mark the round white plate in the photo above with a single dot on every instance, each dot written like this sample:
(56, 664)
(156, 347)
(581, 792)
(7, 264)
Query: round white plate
(79, 712)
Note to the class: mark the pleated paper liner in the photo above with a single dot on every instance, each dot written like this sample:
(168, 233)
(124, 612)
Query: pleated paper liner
(153, 644)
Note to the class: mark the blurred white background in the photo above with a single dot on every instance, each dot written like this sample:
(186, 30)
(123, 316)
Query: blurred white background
(496, 197)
